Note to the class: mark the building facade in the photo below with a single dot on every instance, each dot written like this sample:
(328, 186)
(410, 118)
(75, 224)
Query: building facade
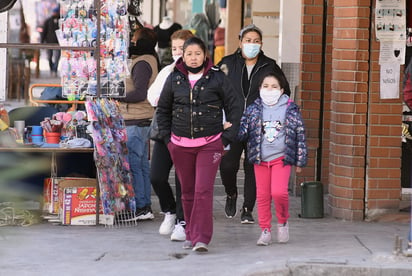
(354, 135)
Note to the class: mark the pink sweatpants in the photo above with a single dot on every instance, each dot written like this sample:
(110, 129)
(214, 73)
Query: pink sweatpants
(272, 180)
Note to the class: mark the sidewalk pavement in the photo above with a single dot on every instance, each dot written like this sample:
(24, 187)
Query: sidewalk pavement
(324, 246)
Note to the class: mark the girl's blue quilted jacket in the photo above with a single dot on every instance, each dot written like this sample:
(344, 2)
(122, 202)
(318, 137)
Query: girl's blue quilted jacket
(251, 131)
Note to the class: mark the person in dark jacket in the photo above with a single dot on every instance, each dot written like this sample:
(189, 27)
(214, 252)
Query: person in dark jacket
(190, 119)
(48, 35)
(161, 163)
(245, 68)
(274, 131)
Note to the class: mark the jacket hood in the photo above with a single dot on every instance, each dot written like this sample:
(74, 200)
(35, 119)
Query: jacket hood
(180, 66)
(283, 99)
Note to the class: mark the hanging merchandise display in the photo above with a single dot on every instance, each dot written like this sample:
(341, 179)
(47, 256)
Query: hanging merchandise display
(78, 28)
(101, 29)
(113, 169)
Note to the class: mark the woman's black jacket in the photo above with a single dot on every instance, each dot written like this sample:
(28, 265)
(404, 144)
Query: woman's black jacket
(198, 112)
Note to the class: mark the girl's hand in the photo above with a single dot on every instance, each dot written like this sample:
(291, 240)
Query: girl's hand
(298, 169)
(227, 125)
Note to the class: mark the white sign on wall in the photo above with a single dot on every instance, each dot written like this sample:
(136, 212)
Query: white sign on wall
(390, 30)
(392, 52)
(390, 20)
(389, 84)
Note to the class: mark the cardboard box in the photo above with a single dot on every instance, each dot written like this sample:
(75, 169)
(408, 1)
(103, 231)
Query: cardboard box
(78, 207)
(54, 186)
(50, 196)
(66, 182)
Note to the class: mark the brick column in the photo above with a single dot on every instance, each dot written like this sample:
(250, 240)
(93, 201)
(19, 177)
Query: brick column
(349, 108)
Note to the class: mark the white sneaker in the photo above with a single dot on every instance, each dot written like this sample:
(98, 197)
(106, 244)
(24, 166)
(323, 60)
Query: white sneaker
(179, 233)
(265, 238)
(168, 224)
(283, 233)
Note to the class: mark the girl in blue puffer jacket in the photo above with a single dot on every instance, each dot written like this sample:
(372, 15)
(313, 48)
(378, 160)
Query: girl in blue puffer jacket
(275, 135)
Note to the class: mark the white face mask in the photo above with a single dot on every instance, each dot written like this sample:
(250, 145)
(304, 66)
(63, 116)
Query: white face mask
(251, 50)
(270, 97)
(176, 57)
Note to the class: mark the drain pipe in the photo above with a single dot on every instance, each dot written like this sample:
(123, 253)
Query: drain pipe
(322, 92)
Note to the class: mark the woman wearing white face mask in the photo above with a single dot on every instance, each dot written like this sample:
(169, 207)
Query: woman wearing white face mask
(161, 163)
(273, 129)
(244, 68)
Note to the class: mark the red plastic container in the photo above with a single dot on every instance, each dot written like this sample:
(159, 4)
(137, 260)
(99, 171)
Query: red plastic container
(52, 137)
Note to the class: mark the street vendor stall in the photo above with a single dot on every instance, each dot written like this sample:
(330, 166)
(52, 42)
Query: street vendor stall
(93, 37)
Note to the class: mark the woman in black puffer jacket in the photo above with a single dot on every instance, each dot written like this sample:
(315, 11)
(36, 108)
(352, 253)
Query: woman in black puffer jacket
(190, 118)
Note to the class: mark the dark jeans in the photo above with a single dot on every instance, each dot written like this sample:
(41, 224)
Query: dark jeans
(161, 164)
(229, 168)
(53, 56)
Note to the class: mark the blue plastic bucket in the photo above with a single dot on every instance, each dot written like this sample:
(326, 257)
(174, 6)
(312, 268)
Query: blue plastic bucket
(36, 130)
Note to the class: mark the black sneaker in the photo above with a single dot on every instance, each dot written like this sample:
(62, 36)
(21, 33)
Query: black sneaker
(230, 208)
(144, 213)
(246, 216)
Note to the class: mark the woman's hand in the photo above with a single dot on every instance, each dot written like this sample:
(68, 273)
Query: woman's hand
(226, 125)
(298, 169)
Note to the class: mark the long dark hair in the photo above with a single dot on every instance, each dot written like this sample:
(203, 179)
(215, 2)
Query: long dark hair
(281, 79)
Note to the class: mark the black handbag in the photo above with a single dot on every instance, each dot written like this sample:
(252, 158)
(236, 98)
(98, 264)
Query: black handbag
(154, 130)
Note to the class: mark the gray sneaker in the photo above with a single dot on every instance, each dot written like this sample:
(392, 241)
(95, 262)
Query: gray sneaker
(187, 245)
(408, 250)
(265, 238)
(200, 247)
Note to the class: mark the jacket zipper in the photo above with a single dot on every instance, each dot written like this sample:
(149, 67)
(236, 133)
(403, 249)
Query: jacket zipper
(191, 111)
(250, 81)
(241, 86)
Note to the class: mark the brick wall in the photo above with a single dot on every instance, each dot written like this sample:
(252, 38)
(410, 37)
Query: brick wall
(361, 146)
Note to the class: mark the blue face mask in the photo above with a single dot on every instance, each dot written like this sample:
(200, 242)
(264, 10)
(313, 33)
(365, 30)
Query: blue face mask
(251, 50)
